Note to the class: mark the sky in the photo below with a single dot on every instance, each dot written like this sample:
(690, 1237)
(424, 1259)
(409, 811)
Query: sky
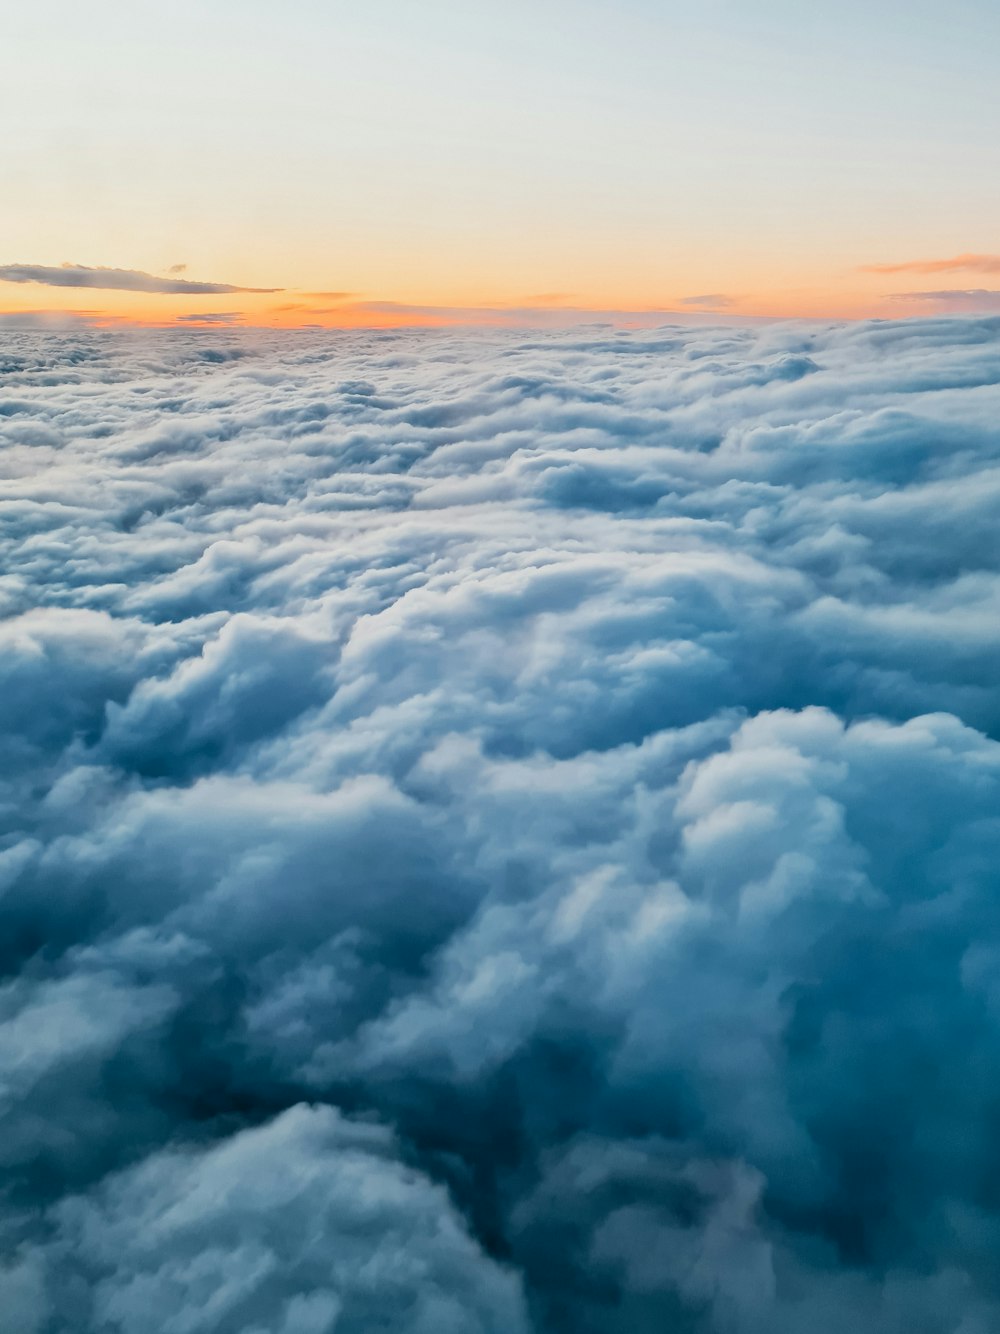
(393, 162)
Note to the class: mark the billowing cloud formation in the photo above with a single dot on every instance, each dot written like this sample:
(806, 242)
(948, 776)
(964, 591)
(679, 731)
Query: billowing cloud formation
(120, 280)
(500, 831)
(212, 317)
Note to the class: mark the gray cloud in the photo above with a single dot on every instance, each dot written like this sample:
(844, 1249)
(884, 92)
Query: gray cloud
(49, 319)
(716, 300)
(498, 829)
(976, 263)
(122, 280)
(308, 1223)
(212, 317)
(958, 298)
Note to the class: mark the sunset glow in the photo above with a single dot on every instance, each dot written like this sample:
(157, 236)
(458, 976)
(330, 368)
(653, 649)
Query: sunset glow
(449, 163)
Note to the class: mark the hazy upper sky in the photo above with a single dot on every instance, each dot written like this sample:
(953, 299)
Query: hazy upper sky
(730, 156)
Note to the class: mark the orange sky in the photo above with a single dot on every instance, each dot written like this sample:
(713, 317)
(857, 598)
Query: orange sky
(859, 296)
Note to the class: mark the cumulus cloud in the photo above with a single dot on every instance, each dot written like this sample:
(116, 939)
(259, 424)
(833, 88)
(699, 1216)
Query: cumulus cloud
(543, 310)
(51, 319)
(305, 1224)
(499, 830)
(121, 280)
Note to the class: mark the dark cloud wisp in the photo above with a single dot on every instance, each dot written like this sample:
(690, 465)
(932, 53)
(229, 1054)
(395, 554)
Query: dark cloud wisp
(958, 298)
(974, 263)
(212, 317)
(119, 280)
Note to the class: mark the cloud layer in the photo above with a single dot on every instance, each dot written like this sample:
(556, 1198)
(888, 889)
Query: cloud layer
(499, 831)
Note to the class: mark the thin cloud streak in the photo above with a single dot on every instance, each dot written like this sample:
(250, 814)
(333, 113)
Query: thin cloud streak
(212, 317)
(961, 299)
(118, 280)
(717, 300)
(975, 263)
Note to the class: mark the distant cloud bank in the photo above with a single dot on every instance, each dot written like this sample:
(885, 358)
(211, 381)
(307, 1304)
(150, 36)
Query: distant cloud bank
(956, 298)
(500, 830)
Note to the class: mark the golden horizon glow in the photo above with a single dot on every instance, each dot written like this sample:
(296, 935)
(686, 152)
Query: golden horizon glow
(291, 309)
(861, 291)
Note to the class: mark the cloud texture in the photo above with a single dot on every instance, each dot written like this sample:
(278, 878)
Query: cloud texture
(499, 831)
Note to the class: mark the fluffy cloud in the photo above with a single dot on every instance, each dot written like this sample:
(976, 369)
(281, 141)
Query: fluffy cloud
(499, 831)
